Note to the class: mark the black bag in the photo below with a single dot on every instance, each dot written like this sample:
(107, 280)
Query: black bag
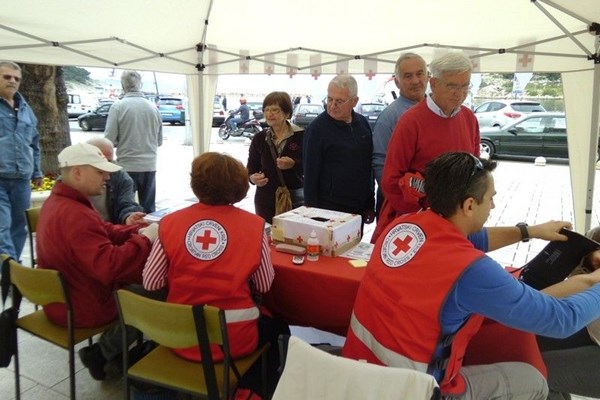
(8, 328)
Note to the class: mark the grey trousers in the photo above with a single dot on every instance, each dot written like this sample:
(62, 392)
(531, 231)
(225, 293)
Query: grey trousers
(573, 365)
(506, 380)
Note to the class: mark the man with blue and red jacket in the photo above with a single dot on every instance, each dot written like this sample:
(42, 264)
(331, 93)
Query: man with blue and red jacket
(429, 286)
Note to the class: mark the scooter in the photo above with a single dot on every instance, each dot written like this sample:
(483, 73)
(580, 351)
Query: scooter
(247, 129)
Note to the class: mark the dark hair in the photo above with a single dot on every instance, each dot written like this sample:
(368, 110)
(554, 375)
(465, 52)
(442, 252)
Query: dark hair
(452, 178)
(282, 99)
(218, 179)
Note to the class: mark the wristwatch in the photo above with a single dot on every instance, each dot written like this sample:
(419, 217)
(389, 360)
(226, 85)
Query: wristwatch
(524, 232)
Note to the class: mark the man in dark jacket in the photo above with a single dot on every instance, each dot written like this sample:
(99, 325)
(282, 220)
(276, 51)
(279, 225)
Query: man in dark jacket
(337, 154)
(117, 203)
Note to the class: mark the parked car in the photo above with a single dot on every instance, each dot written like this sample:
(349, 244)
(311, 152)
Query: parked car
(95, 119)
(170, 109)
(218, 113)
(501, 112)
(538, 134)
(371, 111)
(305, 113)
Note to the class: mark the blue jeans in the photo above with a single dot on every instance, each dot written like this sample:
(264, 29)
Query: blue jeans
(15, 197)
(145, 185)
(234, 122)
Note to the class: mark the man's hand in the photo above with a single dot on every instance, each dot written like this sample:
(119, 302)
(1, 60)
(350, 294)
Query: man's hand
(136, 217)
(37, 182)
(549, 230)
(369, 216)
(412, 185)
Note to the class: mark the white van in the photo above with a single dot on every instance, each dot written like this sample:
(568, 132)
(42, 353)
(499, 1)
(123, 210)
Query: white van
(78, 105)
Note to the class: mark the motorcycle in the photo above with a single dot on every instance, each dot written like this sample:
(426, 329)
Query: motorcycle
(246, 129)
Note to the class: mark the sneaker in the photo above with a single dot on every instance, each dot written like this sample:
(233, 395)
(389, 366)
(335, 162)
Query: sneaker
(94, 361)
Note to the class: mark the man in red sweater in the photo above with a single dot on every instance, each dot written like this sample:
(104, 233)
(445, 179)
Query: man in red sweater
(436, 125)
(93, 256)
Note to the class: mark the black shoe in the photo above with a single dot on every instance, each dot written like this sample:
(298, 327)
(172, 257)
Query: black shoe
(94, 361)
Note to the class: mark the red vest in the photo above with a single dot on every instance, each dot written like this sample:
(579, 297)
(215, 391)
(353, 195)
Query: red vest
(396, 318)
(212, 252)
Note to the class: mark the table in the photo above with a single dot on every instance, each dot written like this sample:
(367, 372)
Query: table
(318, 294)
(321, 294)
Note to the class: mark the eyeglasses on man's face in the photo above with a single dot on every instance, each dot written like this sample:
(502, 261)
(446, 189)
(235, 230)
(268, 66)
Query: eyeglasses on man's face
(7, 77)
(454, 87)
(338, 102)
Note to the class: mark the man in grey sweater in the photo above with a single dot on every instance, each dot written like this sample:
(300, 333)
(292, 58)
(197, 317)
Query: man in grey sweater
(134, 126)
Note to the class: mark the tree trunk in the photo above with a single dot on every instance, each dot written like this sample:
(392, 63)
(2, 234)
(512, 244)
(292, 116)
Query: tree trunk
(44, 89)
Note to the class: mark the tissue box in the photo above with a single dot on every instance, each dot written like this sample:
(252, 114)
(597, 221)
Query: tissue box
(336, 231)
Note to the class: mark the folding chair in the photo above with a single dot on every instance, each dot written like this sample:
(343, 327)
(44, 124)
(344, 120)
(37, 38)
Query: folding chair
(181, 326)
(32, 215)
(310, 373)
(41, 287)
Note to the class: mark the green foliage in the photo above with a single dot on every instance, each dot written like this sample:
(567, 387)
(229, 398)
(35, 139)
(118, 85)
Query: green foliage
(76, 74)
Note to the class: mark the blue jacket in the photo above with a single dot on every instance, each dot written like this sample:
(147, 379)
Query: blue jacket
(19, 141)
(120, 197)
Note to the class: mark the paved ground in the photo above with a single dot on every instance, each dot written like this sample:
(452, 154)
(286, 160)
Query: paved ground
(525, 193)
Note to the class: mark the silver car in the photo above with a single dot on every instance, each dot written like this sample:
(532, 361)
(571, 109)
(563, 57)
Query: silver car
(501, 112)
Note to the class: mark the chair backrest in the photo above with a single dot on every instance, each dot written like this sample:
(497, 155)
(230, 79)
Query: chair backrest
(33, 215)
(179, 326)
(312, 373)
(40, 286)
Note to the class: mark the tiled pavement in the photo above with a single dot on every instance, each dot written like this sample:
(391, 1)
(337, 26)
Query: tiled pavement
(525, 193)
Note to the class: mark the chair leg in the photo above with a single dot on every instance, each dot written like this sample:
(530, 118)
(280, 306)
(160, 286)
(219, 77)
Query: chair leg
(17, 371)
(263, 375)
(72, 371)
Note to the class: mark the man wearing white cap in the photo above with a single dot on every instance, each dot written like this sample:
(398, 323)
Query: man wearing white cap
(94, 257)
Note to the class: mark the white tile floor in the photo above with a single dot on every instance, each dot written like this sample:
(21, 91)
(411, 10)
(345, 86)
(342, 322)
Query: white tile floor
(525, 193)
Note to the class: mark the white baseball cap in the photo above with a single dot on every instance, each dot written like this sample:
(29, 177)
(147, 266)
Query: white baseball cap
(85, 154)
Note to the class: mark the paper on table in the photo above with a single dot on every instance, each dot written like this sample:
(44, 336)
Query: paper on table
(362, 251)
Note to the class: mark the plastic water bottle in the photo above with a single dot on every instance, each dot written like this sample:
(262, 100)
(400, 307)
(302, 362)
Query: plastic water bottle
(313, 248)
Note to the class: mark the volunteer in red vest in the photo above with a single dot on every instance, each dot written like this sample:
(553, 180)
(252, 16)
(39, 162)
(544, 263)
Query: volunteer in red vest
(215, 253)
(429, 284)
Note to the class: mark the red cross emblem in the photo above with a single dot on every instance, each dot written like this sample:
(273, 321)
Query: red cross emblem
(206, 239)
(402, 245)
(315, 74)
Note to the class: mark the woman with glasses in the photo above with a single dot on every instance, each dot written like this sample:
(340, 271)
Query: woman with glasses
(275, 152)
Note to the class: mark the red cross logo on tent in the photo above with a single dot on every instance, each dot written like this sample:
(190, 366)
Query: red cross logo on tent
(206, 240)
(370, 74)
(315, 74)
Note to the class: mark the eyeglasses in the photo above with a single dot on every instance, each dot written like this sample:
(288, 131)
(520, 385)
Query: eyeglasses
(453, 87)
(9, 77)
(477, 166)
(338, 102)
(273, 110)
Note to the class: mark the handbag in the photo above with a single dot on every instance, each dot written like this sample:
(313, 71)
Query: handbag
(283, 197)
(8, 317)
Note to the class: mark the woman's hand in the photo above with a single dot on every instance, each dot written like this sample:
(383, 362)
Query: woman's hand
(285, 162)
(259, 179)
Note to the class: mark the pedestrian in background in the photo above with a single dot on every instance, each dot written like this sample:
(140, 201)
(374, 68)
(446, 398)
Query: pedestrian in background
(134, 126)
(19, 160)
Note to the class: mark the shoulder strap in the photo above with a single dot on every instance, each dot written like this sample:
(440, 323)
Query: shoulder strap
(274, 154)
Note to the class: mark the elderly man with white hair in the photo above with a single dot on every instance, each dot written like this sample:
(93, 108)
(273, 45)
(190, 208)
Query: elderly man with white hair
(437, 125)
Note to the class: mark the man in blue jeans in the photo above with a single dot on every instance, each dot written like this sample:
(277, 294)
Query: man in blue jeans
(244, 112)
(19, 160)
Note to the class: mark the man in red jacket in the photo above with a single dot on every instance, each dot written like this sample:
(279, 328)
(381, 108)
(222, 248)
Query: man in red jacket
(94, 257)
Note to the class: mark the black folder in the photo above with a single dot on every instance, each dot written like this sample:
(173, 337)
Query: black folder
(557, 260)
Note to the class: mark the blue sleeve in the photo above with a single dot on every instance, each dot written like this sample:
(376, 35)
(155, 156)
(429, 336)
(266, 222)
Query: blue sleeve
(480, 240)
(486, 289)
(382, 134)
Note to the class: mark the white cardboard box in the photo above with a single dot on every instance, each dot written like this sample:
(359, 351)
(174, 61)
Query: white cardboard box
(336, 231)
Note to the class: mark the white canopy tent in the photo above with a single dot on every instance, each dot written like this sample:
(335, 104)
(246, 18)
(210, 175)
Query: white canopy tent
(207, 38)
